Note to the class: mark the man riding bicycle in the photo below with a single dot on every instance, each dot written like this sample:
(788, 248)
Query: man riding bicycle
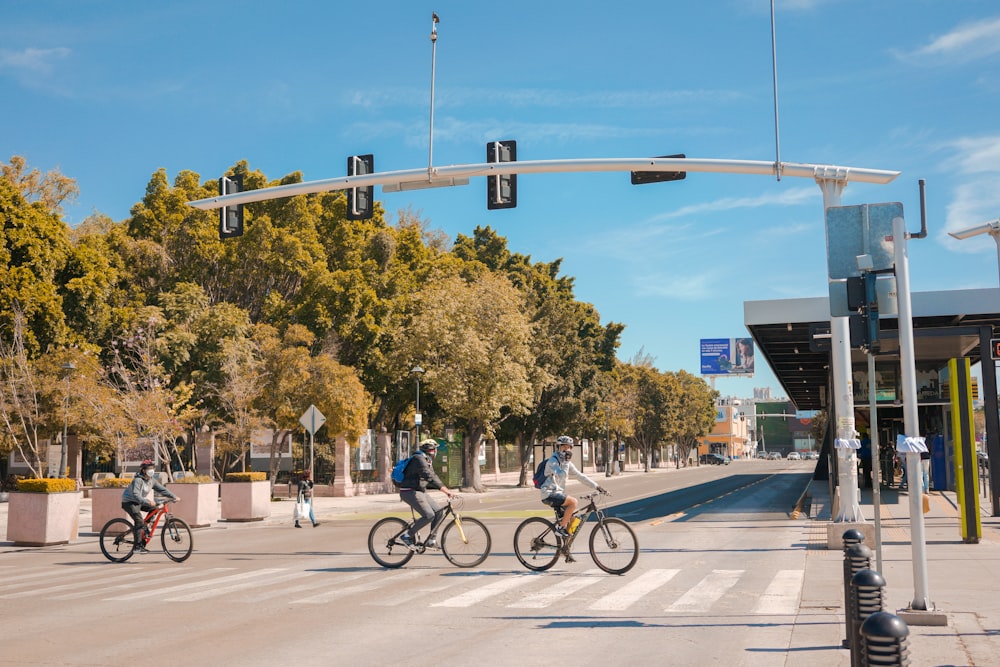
(135, 501)
(419, 476)
(558, 468)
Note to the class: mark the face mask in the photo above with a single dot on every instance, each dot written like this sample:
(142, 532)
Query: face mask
(148, 472)
(566, 455)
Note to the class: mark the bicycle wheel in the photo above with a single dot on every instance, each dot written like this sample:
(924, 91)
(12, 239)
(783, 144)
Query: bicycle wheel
(117, 540)
(176, 539)
(384, 545)
(535, 544)
(470, 551)
(614, 546)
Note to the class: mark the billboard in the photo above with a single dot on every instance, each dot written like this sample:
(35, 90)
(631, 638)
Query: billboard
(727, 356)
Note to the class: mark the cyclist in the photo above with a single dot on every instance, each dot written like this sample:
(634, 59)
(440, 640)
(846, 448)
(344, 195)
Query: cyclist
(135, 501)
(557, 471)
(419, 476)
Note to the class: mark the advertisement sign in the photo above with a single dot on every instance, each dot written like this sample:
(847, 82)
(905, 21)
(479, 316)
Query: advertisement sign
(727, 356)
(365, 450)
(261, 442)
(402, 445)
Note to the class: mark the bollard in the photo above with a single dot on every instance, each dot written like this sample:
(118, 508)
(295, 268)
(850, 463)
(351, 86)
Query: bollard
(866, 599)
(857, 557)
(852, 536)
(883, 640)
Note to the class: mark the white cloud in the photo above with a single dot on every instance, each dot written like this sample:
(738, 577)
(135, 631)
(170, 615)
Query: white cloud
(975, 155)
(789, 197)
(975, 202)
(35, 61)
(686, 287)
(966, 42)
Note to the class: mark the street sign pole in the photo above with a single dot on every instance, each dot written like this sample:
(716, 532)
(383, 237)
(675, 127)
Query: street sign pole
(312, 420)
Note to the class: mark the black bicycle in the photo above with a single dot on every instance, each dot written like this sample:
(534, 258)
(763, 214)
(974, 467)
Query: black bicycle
(464, 541)
(613, 544)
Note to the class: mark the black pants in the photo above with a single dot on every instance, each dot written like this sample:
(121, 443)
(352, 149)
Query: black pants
(135, 511)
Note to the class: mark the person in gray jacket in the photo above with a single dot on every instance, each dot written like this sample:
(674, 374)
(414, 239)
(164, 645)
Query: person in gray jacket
(417, 478)
(557, 471)
(135, 501)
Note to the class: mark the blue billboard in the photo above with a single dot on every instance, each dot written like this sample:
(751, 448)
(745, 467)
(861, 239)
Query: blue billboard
(727, 356)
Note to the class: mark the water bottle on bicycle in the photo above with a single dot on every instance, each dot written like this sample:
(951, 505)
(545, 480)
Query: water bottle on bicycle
(558, 468)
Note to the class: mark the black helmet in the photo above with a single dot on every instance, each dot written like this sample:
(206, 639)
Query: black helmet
(428, 444)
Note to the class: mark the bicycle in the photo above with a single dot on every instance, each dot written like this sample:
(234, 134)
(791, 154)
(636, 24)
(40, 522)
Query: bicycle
(613, 544)
(464, 541)
(118, 538)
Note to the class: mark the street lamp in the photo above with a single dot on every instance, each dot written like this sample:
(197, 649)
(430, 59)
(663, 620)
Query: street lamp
(417, 417)
(68, 369)
(991, 228)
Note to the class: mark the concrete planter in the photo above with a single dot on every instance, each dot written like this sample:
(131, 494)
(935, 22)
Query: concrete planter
(199, 504)
(246, 501)
(106, 504)
(42, 519)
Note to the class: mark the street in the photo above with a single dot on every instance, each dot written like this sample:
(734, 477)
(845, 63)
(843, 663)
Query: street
(717, 580)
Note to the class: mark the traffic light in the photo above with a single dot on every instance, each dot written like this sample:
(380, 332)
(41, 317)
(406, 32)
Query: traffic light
(361, 201)
(501, 190)
(230, 217)
(862, 301)
(643, 177)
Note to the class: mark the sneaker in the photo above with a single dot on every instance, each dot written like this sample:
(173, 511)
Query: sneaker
(298, 525)
(570, 559)
(139, 549)
(561, 532)
(431, 542)
(315, 524)
(407, 541)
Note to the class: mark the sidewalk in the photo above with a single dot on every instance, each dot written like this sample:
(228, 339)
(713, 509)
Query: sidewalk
(962, 578)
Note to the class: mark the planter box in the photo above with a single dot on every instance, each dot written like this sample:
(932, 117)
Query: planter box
(199, 504)
(42, 519)
(106, 504)
(246, 501)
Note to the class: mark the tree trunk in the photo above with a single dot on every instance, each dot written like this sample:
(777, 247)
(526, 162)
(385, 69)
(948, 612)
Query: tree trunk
(471, 479)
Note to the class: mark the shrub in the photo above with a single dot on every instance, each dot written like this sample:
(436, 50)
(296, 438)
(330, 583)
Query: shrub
(246, 476)
(114, 482)
(46, 485)
(194, 479)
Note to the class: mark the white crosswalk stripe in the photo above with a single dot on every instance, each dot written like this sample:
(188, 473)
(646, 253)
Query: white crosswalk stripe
(141, 578)
(73, 585)
(707, 591)
(558, 591)
(216, 591)
(161, 592)
(378, 582)
(492, 589)
(633, 591)
(782, 594)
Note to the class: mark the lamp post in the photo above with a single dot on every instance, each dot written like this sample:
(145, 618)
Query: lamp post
(68, 369)
(991, 228)
(417, 417)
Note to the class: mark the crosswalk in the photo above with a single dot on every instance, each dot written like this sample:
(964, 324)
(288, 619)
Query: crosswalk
(671, 591)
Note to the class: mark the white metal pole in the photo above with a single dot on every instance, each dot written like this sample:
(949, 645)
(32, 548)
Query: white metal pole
(921, 597)
(430, 142)
(876, 481)
(849, 510)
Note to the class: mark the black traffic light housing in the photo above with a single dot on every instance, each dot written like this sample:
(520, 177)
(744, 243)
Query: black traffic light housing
(361, 201)
(862, 298)
(501, 190)
(644, 177)
(230, 217)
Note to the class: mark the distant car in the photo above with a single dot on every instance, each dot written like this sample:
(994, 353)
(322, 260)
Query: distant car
(713, 460)
(811, 456)
(773, 456)
(794, 456)
(762, 455)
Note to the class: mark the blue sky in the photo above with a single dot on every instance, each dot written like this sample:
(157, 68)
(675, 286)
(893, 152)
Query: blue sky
(110, 92)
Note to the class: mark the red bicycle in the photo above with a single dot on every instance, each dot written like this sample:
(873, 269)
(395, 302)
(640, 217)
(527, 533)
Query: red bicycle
(118, 538)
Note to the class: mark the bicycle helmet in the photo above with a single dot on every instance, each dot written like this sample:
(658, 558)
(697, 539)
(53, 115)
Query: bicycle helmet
(147, 465)
(564, 440)
(428, 444)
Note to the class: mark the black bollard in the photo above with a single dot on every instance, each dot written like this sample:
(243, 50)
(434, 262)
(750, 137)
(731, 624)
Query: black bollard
(883, 640)
(857, 557)
(866, 599)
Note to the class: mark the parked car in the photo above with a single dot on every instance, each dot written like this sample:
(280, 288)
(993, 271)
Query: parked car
(811, 456)
(773, 456)
(794, 456)
(713, 460)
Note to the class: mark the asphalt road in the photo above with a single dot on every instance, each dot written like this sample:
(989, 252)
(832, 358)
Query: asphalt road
(717, 581)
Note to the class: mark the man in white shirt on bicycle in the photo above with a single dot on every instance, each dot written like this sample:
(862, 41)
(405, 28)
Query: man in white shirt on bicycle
(557, 471)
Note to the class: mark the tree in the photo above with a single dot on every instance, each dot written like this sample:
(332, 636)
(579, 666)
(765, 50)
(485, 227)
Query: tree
(695, 412)
(50, 190)
(473, 342)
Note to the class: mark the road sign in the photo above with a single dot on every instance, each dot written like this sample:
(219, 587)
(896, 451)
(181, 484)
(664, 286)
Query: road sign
(312, 419)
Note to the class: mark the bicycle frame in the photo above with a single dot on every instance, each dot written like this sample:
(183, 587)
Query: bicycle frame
(448, 510)
(584, 514)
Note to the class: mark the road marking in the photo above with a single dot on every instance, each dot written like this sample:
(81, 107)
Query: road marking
(782, 594)
(379, 582)
(499, 586)
(631, 592)
(34, 575)
(74, 585)
(397, 600)
(222, 590)
(558, 591)
(142, 578)
(159, 592)
(707, 591)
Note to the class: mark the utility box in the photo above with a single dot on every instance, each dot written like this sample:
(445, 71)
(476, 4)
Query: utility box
(448, 463)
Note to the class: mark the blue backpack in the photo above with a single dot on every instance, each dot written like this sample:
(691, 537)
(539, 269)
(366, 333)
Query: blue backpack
(539, 477)
(399, 471)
